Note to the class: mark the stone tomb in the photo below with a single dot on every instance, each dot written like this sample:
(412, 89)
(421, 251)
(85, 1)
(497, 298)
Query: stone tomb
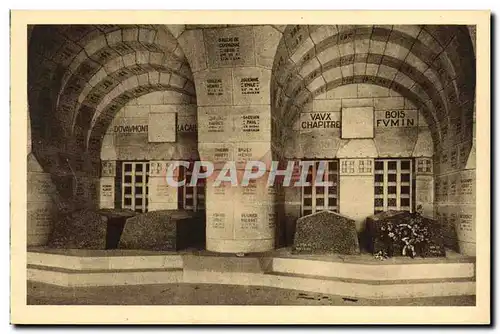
(89, 229)
(164, 230)
(82, 229)
(377, 239)
(325, 232)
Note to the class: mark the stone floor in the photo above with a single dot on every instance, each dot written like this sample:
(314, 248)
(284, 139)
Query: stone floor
(210, 294)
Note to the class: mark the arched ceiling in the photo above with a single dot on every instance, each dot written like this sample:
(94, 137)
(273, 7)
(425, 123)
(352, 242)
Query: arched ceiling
(79, 76)
(433, 66)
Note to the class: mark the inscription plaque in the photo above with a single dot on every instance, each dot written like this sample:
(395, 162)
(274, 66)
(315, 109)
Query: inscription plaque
(216, 123)
(250, 86)
(251, 123)
(214, 87)
(228, 49)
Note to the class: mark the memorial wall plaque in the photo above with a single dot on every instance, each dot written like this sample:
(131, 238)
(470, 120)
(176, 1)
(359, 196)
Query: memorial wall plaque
(159, 169)
(466, 187)
(221, 194)
(230, 46)
(251, 86)
(217, 153)
(454, 157)
(444, 188)
(424, 189)
(107, 193)
(161, 196)
(40, 217)
(108, 168)
(452, 188)
(220, 220)
(40, 187)
(215, 125)
(252, 222)
(252, 127)
(215, 87)
(466, 226)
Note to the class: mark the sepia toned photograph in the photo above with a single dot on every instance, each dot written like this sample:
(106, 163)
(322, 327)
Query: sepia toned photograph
(253, 165)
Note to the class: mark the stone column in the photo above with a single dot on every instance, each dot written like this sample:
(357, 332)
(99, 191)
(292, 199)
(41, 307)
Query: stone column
(356, 196)
(41, 203)
(232, 71)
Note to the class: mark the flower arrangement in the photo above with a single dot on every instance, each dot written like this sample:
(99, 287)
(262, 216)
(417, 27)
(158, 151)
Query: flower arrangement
(407, 238)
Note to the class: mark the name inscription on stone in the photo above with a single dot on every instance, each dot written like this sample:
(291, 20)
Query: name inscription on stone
(218, 220)
(250, 189)
(250, 86)
(396, 118)
(271, 220)
(186, 127)
(133, 128)
(216, 123)
(249, 221)
(229, 48)
(42, 216)
(243, 154)
(466, 186)
(320, 120)
(214, 87)
(465, 224)
(107, 190)
(221, 153)
(251, 123)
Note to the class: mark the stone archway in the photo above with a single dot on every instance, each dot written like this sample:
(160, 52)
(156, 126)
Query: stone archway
(79, 77)
(433, 67)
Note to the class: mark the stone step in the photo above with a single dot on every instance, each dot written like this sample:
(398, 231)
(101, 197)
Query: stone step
(374, 271)
(350, 288)
(226, 263)
(86, 278)
(104, 262)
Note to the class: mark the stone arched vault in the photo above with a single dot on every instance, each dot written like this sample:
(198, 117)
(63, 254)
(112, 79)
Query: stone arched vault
(433, 66)
(80, 75)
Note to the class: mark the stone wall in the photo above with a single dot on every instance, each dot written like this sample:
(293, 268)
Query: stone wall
(158, 127)
(399, 130)
(455, 188)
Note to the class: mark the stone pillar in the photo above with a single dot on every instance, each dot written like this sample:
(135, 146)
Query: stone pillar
(356, 197)
(41, 206)
(357, 163)
(232, 70)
